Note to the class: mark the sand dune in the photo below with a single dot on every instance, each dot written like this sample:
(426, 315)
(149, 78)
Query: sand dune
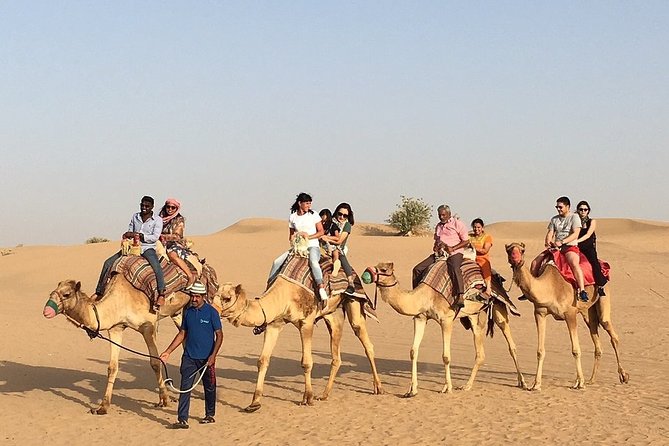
(51, 374)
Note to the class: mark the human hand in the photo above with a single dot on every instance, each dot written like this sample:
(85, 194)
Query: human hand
(164, 356)
(211, 360)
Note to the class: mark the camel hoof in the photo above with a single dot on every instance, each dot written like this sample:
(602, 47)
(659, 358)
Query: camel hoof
(307, 403)
(624, 378)
(322, 398)
(379, 391)
(409, 394)
(99, 411)
(252, 408)
(465, 388)
(534, 388)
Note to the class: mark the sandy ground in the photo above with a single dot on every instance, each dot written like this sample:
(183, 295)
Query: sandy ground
(51, 374)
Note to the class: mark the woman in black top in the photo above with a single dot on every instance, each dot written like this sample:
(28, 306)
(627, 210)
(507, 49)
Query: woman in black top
(587, 244)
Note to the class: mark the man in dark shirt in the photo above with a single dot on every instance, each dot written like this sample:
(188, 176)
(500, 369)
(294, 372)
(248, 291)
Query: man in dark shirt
(202, 335)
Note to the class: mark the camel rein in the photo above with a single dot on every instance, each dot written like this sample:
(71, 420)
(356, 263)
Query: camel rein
(92, 334)
(381, 285)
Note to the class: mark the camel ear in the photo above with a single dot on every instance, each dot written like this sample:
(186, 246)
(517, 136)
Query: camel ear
(77, 287)
(522, 245)
(506, 247)
(238, 289)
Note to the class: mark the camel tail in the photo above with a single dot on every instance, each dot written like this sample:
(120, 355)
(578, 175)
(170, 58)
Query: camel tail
(491, 327)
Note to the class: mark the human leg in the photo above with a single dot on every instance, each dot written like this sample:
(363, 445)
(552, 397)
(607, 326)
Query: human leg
(419, 270)
(188, 370)
(181, 263)
(106, 267)
(336, 261)
(209, 383)
(151, 256)
(573, 261)
(591, 255)
(276, 265)
(349, 272)
(454, 263)
(314, 257)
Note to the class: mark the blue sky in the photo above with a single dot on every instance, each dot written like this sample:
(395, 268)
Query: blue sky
(495, 108)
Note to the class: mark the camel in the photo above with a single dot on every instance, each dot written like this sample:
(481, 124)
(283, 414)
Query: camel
(424, 303)
(552, 294)
(122, 306)
(286, 302)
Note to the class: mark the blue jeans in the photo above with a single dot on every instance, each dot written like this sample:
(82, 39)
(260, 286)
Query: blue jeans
(189, 373)
(277, 265)
(314, 258)
(150, 255)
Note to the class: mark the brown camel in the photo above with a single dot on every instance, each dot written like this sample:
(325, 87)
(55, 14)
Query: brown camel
(552, 294)
(286, 302)
(122, 306)
(424, 303)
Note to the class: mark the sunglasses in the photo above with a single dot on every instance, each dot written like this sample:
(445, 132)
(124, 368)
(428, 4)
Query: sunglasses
(559, 207)
(169, 206)
(341, 214)
(583, 209)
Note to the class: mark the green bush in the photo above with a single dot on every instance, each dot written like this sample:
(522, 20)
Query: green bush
(96, 240)
(411, 217)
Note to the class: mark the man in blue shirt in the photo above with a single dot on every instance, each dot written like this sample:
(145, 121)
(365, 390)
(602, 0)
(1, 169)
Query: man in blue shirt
(202, 335)
(147, 229)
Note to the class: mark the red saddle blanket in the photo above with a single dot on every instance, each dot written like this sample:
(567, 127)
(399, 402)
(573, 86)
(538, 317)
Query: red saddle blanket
(296, 269)
(561, 264)
(438, 279)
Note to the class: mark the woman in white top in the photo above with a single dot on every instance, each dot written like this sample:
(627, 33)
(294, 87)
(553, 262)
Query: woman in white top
(308, 224)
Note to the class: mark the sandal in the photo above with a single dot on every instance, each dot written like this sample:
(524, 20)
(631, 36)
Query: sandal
(207, 420)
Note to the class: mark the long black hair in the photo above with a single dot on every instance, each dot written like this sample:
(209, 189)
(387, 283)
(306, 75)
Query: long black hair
(350, 212)
(301, 198)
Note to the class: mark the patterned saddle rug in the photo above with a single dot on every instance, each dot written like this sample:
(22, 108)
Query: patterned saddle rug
(296, 269)
(560, 262)
(138, 272)
(438, 279)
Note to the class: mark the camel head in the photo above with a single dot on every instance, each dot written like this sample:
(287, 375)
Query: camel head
(230, 298)
(64, 297)
(383, 273)
(515, 252)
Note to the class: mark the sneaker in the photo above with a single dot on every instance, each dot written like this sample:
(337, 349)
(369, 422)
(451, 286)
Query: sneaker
(207, 420)
(583, 296)
(323, 294)
(179, 425)
(600, 291)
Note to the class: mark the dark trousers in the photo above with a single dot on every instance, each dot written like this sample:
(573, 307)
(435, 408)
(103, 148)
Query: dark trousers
(189, 373)
(591, 255)
(419, 270)
(345, 264)
(151, 257)
(454, 264)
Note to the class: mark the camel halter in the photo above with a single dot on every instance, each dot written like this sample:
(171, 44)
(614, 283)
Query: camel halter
(92, 334)
(375, 272)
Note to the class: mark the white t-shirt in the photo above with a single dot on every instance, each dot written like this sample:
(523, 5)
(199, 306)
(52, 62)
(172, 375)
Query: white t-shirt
(305, 223)
(563, 226)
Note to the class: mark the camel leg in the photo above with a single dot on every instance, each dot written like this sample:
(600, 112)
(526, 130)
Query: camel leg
(116, 335)
(540, 320)
(605, 320)
(575, 350)
(592, 321)
(306, 333)
(477, 332)
(269, 341)
(501, 318)
(335, 324)
(148, 331)
(359, 326)
(419, 323)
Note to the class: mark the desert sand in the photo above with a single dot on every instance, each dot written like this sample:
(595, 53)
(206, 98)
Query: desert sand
(51, 374)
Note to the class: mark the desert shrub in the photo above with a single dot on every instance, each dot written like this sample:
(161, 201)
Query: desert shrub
(412, 216)
(96, 240)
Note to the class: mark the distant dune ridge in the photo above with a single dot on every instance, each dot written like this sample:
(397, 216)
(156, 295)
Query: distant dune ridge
(51, 373)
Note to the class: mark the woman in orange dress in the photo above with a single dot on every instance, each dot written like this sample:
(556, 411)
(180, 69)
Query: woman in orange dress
(482, 242)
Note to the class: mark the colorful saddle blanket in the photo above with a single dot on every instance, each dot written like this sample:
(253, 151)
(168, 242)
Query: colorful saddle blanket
(561, 264)
(296, 269)
(438, 279)
(138, 272)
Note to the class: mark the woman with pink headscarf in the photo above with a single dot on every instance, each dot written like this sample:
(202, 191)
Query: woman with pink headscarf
(173, 237)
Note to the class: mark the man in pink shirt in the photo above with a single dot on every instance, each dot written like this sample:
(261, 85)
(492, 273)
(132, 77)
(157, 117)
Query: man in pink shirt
(450, 237)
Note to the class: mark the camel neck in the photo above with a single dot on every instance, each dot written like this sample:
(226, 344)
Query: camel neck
(403, 301)
(84, 313)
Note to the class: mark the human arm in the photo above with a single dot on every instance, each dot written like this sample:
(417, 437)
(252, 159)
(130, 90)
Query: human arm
(487, 244)
(178, 339)
(573, 234)
(177, 230)
(319, 232)
(462, 234)
(217, 346)
(548, 241)
(591, 230)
